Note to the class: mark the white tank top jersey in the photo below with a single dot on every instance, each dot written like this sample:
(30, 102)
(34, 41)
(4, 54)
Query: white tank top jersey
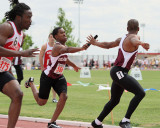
(12, 43)
(56, 66)
(125, 59)
(47, 55)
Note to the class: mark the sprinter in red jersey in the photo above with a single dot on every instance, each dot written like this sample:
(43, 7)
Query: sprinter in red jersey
(11, 37)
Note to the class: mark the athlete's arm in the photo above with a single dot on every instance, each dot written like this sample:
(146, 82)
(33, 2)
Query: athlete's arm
(136, 42)
(68, 62)
(73, 49)
(106, 45)
(41, 55)
(6, 31)
(61, 49)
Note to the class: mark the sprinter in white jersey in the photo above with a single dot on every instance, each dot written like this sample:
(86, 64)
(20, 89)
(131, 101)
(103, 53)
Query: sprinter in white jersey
(53, 74)
(44, 57)
(128, 48)
(11, 37)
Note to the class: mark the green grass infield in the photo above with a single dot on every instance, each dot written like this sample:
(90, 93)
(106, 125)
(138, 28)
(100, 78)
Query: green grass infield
(85, 102)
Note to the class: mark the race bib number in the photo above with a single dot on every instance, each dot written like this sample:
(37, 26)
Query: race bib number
(120, 74)
(59, 69)
(5, 64)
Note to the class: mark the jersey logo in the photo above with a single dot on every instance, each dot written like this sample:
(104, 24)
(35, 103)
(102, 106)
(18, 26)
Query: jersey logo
(120, 74)
(15, 45)
(15, 42)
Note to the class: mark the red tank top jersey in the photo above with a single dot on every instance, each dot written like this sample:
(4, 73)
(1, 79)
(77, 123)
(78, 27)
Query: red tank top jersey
(56, 66)
(12, 43)
(47, 55)
(124, 59)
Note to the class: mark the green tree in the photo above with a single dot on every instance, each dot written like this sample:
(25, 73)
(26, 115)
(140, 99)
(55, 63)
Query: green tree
(3, 20)
(27, 43)
(67, 26)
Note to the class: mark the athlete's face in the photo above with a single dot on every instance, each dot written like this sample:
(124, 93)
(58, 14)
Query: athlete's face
(26, 19)
(51, 39)
(61, 36)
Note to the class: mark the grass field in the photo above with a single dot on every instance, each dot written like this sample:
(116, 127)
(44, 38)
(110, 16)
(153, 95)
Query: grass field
(85, 103)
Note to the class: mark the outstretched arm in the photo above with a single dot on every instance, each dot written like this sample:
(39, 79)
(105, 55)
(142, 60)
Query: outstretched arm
(136, 42)
(73, 49)
(61, 49)
(106, 45)
(68, 62)
(10, 53)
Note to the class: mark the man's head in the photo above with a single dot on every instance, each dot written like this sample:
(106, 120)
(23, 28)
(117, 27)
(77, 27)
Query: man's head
(59, 35)
(133, 25)
(51, 39)
(21, 13)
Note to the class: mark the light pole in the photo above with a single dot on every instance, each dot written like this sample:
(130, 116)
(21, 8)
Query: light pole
(143, 26)
(78, 2)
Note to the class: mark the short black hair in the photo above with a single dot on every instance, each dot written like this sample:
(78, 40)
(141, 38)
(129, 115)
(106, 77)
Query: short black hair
(55, 31)
(133, 25)
(18, 9)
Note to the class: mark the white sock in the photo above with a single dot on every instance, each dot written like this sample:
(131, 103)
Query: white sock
(98, 122)
(125, 120)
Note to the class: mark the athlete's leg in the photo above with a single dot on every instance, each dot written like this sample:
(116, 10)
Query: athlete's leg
(132, 85)
(12, 90)
(61, 89)
(35, 92)
(42, 95)
(60, 106)
(121, 77)
(116, 93)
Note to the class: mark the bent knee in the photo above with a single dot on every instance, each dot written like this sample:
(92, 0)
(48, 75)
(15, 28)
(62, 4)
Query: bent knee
(64, 96)
(42, 102)
(143, 94)
(114, 101)
(18, 96)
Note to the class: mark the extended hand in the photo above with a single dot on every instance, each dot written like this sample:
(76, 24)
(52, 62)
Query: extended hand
(91, 40)
(77, 69)
(146, 46)
(29, 52)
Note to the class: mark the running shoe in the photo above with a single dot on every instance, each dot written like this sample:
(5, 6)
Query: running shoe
(55, 101)
(125, 125)
(94, 125)
(31, 79)
(53, 125)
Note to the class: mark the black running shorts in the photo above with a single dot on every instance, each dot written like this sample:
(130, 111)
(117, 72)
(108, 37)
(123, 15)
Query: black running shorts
(58, 84)
(5, 77)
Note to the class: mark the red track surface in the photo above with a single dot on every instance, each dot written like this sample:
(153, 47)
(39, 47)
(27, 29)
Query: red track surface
(30, 124)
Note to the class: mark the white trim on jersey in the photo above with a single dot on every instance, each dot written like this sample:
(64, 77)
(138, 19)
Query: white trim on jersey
(127, 55)
(53, 60)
